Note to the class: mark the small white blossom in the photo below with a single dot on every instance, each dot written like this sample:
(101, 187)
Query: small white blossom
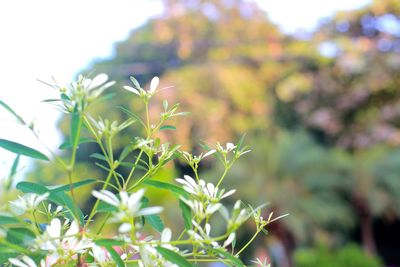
(228, 147)
(200, 210)
(190, 185)
(129, 206)
(28, 202)
(69, 243)
(100, 255)
(193, 159)
(260, 263)
(25, 261)
(140, 91)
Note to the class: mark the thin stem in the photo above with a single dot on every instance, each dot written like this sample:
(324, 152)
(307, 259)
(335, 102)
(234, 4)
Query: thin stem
(133, 169)
(96, 204)
(249, 242)
(223, 176)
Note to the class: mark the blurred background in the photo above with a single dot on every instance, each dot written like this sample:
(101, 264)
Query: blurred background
(314, 84)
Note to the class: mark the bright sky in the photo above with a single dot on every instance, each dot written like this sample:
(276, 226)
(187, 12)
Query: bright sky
(45, 38)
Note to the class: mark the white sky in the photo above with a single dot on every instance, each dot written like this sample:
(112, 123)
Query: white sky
(45, 38)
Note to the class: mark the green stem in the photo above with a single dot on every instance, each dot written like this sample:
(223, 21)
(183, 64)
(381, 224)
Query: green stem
(133, 169)
(96, 204)
(222, 177)
(249, 242)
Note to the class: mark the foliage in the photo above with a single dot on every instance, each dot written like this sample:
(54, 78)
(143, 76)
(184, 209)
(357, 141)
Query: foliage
(46, 226)
(347, 256)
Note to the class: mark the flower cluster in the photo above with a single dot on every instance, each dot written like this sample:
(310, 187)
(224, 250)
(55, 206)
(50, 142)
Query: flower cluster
(50, 228)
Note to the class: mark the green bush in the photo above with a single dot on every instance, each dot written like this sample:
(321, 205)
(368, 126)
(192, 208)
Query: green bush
(348, 256)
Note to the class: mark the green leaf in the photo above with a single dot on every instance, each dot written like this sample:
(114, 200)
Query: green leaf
(67, 187)
(156, 222)
(171, 187)
(9, 109)
(67, 144)
(115, 256)
(20, 236)
(105, 207)
(233, 260)
(186, 214)
(74, 126)
(8, 220)
(167, 127)
(240, 143)
(173, 257)
(21, 149)
(99, 156)
(109, 242)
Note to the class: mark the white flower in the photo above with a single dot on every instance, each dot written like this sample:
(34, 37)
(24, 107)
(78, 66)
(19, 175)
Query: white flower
(100, 255)
(200, 210)
(129, 206)
(239, 216)
(25, 261)
(140, 91)
(28, 202)
(228, 147)
(70, 243)
(203, 234)
(260, 263)
(190, 185)
(193, 159)
(216, 195)
(200, 189)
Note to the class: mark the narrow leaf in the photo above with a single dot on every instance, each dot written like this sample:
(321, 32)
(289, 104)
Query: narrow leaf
(9, 109)
(167, 127)
(115, 256)
(8, 220)
(171, 187)
(186, 214)
(21, 149)
(173, 257)
(156, 222)
(67, 144)
(74, 185)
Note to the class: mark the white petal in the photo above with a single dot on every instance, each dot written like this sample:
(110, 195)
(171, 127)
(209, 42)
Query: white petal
(149, 211)
(230, 146)
(166, 235)
(131, 89)
(124, 198)
(208, 229)
(213, 208)
(29, 261)
(229, 240)
(190, 180)
(54, 229)
(227, 194)
(73, 230)
(135, 198)
(211, 189)
(107, 197)
(98, 80)
(18, 263)
(154, 84)
(212, 151)
(124, 228)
